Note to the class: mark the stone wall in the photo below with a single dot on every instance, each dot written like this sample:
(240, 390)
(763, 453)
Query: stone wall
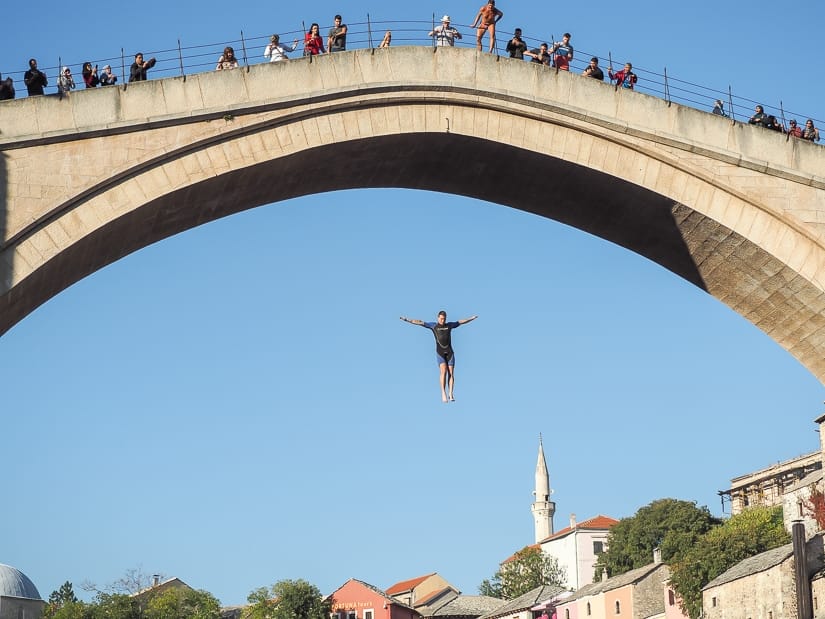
(770, 594)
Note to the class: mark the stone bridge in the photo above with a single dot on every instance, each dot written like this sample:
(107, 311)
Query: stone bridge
(736, 210)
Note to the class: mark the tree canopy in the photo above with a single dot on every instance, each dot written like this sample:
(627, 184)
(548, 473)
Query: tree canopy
(183, 603)
(671, 525)
(744, 535)
(529, 568)
(287, 599)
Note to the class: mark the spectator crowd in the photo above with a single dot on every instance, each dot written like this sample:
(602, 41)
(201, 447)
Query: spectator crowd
(557, 54)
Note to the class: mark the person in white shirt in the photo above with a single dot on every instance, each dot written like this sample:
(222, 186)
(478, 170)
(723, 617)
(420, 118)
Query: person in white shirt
(277, 52)
(445, 35)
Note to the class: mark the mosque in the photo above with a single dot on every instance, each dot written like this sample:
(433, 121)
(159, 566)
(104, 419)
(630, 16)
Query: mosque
(19, 598)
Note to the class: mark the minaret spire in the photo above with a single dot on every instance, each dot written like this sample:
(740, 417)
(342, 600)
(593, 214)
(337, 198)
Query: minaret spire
(543, 508)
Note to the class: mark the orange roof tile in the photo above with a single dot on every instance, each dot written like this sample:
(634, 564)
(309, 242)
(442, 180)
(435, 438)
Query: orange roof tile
(408, 585)
(599, 522)
(513, 556)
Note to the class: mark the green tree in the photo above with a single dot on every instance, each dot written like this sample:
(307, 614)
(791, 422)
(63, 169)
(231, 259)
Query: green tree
(529, 568)
(288, 599)
(744, 535)
(115, 606)
(62, 596)
(183, 603)
(67, 610)
(671, 525)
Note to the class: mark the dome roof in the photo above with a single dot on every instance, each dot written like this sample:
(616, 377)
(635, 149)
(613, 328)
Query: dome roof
(14, 583)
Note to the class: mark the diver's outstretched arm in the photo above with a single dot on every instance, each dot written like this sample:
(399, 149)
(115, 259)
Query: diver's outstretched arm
(412, 321)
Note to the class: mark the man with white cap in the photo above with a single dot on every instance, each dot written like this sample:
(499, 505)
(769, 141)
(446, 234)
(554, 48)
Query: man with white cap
(445, 34)
(107, 78)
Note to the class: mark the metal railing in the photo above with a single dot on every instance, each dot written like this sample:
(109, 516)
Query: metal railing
(183, 60)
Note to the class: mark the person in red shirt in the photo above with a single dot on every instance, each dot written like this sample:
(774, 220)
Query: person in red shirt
(563, 53)
(313, 42)
(794, 129)
(486, 19)
(625, 78)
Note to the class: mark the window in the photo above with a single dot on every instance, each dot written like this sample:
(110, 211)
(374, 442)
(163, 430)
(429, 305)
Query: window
(770, 614)
(671, 597)
(588, 609)
(801, 513)
(598, 547)
(567, 613)
(618, 608)
(368, 614)
(352, 615)
(713, 601)
(815, 604)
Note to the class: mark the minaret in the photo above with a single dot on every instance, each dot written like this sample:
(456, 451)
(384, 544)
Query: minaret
(543, 508)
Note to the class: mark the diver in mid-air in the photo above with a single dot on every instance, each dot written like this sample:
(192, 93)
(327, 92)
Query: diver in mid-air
(445, 356)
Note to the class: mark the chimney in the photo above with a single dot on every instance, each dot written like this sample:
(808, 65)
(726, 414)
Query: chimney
(572, 521)
(155, 580)
(657, 556)
(804, 601)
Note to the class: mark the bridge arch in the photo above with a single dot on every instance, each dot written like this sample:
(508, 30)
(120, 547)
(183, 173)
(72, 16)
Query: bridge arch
(108, 172)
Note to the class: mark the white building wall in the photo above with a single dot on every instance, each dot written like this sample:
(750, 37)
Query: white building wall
(564, 549)
(586, 557)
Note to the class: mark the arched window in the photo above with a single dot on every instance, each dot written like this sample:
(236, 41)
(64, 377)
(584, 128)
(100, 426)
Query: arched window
(618, 608)
(566, 613)
(588, 609)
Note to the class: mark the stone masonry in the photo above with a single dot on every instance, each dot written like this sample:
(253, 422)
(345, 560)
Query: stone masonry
(738, 211)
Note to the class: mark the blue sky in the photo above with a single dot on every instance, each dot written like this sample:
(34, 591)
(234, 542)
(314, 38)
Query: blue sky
(240, 403)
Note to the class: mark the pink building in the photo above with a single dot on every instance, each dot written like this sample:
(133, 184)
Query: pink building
(637, 594)
(358, 600)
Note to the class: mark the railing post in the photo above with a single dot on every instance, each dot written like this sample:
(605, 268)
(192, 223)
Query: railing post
(434, 33)
(730, 104)
(180, 59)
(122, 66)
(243, 46)
(59, 75)
(667, 89)
(369, 30)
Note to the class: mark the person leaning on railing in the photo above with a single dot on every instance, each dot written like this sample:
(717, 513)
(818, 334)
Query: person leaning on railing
(445, 35)
(6, 88)
(313, 43)
(227, 60)
(277, 52)
(137, 72)
(35, 79)
(810, 132)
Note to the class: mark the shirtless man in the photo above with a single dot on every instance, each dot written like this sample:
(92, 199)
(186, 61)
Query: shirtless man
(443, 349)
(486, 19)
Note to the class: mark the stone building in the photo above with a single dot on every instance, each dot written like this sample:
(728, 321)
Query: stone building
(458, 606)
(765, 586)
(525, 606)
(19, 598)
(767, 486)
(637, 594)
(414, 591)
